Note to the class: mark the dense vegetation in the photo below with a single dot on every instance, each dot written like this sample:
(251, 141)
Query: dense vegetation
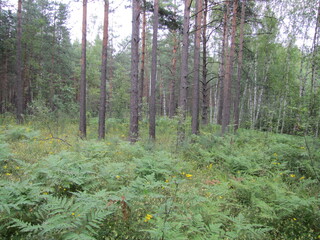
(255, 185)
(250, 170)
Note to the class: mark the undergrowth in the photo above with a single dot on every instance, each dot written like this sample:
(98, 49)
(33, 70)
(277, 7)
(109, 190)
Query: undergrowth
(253, 185)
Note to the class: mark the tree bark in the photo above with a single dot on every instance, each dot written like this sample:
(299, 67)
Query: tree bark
(224, 53)
(240, 54)
(196, 77)
(184, 59)
(205, 83)
(104, 57)
(228, 74)
(184, 71)
(134, 98)
(152, 105)
(172, 86)
(19, 82)
(83, 81)
(143, 54)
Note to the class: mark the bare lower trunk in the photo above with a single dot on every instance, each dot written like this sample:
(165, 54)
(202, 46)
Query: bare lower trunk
(184, 59)
(134, 98)
(184, 71)
(172, 101)
(19, 82)
(83, 81)
(152, 105)
(224, 53)
(228, 74)
(238, 86)
(196, 77)
(205, 82)
(103, 90)
(143, 55)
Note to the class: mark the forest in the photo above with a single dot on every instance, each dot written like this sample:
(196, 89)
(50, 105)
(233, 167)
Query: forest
(202, 124)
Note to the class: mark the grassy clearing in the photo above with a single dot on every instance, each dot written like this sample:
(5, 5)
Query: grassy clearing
(255, 185)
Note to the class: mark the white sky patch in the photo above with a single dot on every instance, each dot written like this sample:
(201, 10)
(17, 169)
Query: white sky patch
(119, 18)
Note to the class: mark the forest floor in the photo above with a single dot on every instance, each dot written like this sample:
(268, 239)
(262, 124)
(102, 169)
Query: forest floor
(252, 185)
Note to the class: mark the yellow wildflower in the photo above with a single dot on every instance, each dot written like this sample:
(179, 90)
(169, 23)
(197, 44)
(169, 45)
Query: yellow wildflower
(275, 154)
(8, 174)
(220, 197)
(148, 217)
(167, 180)
(303, 177)
(17, 167)
(292, 175)
(294, 219)
(5, 166)
(189, 175)
(210, 166)
(73, 214)
(117, 177)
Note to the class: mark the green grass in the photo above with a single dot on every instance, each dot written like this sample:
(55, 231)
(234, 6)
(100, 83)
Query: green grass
(253, 185)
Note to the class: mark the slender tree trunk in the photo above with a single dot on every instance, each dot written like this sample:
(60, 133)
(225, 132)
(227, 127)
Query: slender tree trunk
(134, 98)
(255, 89)
(143, 56)
(196, 76)
(104, 57)
(51, 80)
(238, 86)
(4, 91)
(205, 82)
(184, 59)
(314, 50)
(184, 71)
(172, 86)
(224, 54)
(19, 82)
(83, 81)
(228, 74)
(152, 106)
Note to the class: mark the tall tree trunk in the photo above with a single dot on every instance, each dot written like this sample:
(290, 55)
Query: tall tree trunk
(83, 81)
(152, 105)
(205, 82)
(4, 91)
(238, 83)
(52, 77)
(184, 71)
(134, 98)
(196, 77)
(228, 73)
(104, 57)
(172, 86)
(224, 53)
(184, 59)
(19, 82)
(143, 55)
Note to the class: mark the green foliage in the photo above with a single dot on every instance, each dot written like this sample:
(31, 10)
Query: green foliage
(250, 186)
